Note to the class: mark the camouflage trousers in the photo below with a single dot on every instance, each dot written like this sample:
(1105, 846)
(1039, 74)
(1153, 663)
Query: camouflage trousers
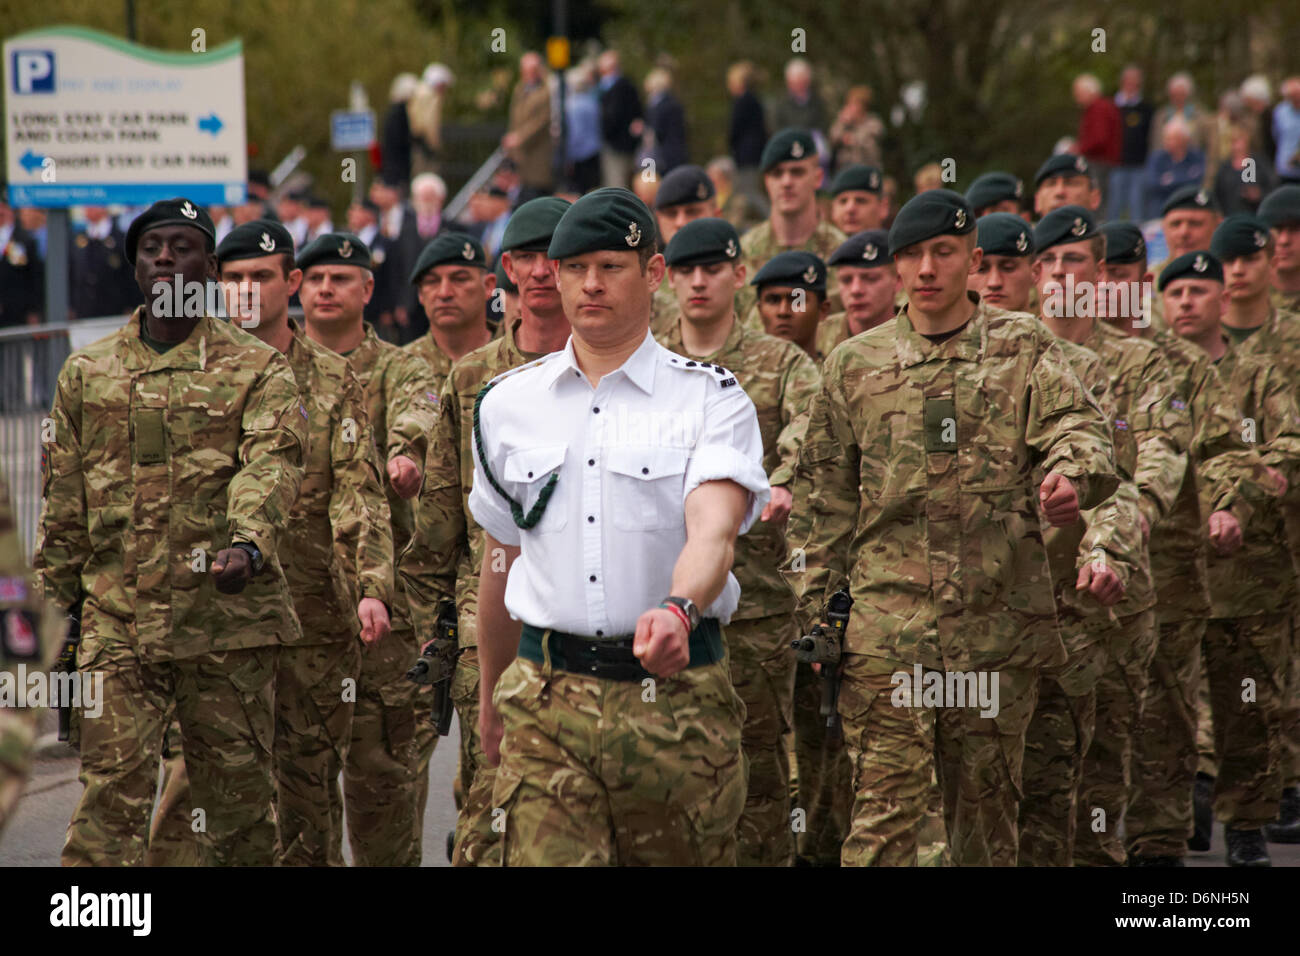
(606, 773)
(1159, 817)
(1289, 718)
(932, 785)
(477, 843)
(172, 839)
(824, 788)
(379, 774)
(1246, 661)
(762, 672)
(1206, 761)
(17, 734)
(223, 702)
(1108, 762)
(1059, 735)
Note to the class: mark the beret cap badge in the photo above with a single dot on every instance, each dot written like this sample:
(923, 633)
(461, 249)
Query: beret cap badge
(796, 149)
(731, 250)
(1200, 265)
(1022, 242)
(869, 251)
(266, 243)
(1079, 227)
(188, 211)
(345, 248)
(467, 251)
(633, 234)
(959, 219)
(810, 274)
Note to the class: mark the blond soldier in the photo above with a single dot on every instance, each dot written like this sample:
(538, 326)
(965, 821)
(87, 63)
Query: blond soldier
(453, 284)
(1253, 592)
(791, 176)
(857, 203)
(922, 454)
(780, 379)
(1281, 210)
(379, 778)
(869, 287)
(177, 455)
(446, 551)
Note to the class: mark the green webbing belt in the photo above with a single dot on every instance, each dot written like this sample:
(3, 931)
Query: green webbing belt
(523, 521)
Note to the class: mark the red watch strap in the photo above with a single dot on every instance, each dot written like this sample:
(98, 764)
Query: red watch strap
(668, 606)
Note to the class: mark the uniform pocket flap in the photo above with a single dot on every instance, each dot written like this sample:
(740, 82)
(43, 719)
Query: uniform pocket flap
(646, 463)
(532, 464)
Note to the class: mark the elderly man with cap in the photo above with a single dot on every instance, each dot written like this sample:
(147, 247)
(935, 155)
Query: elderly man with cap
(1138, 393)
(921, 462)
(791, 176)
(1281, 210)
(792, 300)
(1065, 180)
(445, 553)
(856, 200)
(995, 192)
(1005, 278)
(379, 777)
(177, 454)
(612, 479)
(1263, 332)
(869, 288)
(453, 283)
(1253, 592)
(337, 555)
(779, 378)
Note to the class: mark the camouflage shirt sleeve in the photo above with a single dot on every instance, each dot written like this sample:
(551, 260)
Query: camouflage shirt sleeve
(359, 514)
(1163, 432)
(271, 452)
(428, 565)
(412, 408)
(797, 390)
(1230, 471)
(826, 502)
(1069, 429)
(63, 539)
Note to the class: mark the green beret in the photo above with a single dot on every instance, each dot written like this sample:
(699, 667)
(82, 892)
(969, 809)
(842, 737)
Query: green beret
(683, 185)
(503, 280)
(1066, 224)
(797, 269)
(1124, 243)
(1062, 164)
(787, 145)
(858, 177)
(449, 248)
(1239, 236)
(1192, 265)
(1005, 234)
(866, 250)
(703, 241)
(993, 188)
(1281, 206)
(935, 212)
(255, 239)
(1190, 197)
(612, 218)
(335, 249)
(169, 212)
(531, 226)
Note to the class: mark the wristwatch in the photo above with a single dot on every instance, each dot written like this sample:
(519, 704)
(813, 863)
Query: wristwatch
(688, 607)
(254, 555)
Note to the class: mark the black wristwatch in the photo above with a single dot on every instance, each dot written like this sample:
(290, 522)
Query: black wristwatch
(688, 607)
(254, 555)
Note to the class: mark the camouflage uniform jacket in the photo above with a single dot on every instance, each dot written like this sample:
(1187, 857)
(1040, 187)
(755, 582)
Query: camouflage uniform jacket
(758, 245)
(1222, 466)
(780, 379)
(439, 362)
(338, 545)
(664, 311)
(921, 458)
(1259, 578)
(446, 552)
(157, 463)
(1288, 301)
(402, 407)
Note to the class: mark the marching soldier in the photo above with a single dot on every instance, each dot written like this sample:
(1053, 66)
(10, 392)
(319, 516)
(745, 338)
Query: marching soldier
(857, 203)
(380, 790)
(1064, 180)
(780, 379)
(868, 284)
(1005, 278)
(453, 284)
(792, 299)
(1281, 210)
(996, 192)
(685, 194)
(177, 456)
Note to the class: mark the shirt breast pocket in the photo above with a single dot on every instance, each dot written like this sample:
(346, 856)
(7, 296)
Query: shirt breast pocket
(528, 471)
(646, 488)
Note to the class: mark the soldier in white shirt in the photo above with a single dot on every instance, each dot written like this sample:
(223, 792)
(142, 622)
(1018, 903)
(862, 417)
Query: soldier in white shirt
(612, 479)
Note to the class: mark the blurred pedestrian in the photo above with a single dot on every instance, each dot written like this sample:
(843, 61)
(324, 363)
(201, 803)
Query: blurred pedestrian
(528, 139)
(856, 132)
(1175, 165)
(319, 218)
(428, 195)
(1124, 191)
(746, 127)
(1257, 97)
(1286, 132)
(621, 121)
(1100, 137)
(22, 273)
(800, 107)
(734, 205)
(582, 139)
(1245, 177)
(101, 281)
(665, 139)
(424, 115)
(395, 139)
(1181, 105)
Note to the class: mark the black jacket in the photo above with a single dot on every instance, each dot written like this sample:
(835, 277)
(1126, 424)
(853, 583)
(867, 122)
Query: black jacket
(22, 279)
(668, 120)
(746, 130)
(619, 106)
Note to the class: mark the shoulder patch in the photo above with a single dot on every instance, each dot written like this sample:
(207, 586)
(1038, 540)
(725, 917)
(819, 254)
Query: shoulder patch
(726, 382)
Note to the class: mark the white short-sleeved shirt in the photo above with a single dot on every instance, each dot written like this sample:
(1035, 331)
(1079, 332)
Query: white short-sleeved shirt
(627, 453)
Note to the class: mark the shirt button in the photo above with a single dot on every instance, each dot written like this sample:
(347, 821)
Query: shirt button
(596, 409)
(591, 461)
(530, 474)
(591, 518)
(644, 471)
(600, 633)
(592, 579)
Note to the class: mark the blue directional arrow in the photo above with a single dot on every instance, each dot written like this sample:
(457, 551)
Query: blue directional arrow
(211, 124)
(31, 162)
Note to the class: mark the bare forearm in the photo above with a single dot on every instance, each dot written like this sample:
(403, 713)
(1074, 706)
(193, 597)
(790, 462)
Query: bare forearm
(701, 569)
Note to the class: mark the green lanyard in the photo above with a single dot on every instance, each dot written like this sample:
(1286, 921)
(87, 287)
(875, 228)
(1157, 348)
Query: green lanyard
(522, 521)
